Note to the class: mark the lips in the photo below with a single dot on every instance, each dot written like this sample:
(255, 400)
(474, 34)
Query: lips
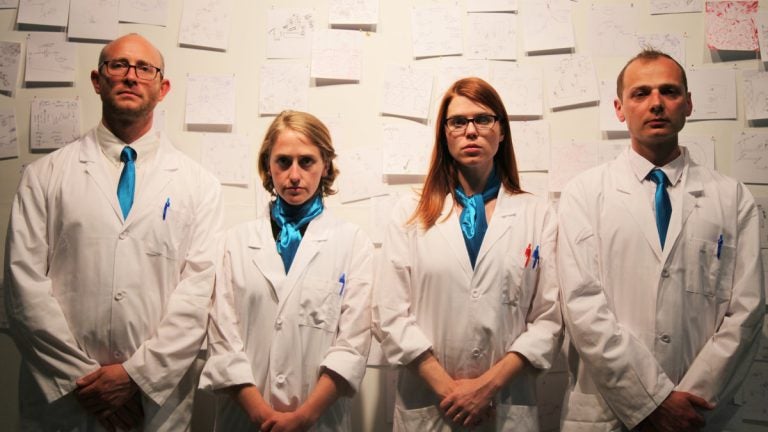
(657, 122)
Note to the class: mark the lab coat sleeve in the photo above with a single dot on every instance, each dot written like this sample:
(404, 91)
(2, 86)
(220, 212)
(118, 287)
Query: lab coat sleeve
(542, 338)
(36, 320)
(722, 364)
(394, 323)
(227, 364)
(349, 353)
(618, 363)
(161, 361)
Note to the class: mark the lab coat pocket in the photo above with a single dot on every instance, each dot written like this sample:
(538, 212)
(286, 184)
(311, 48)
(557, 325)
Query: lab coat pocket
(420, 419)
(517, 418)
(166, 235)
(709, 271)
(519, 285)
(588, 413)
(320, 304)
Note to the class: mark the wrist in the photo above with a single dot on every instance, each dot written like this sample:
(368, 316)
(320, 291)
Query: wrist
(306, 416)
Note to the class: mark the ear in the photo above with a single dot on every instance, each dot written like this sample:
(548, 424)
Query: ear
(617, 106)
(165, 87)
(96, 81)
(689, 104)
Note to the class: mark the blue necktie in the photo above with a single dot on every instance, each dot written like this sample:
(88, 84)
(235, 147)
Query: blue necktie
(663, 206)
(127, 184)
(291, 219)
(472, 218)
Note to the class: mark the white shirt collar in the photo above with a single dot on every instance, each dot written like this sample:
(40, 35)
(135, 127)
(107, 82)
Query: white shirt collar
(641, 166)
(146, 147)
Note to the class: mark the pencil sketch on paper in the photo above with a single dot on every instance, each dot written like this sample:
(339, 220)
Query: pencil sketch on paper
(43, 12)
(730, 25)
(750, 157)
(283, 86)
(658, 7)
(10, 54)
(362, 177)
(531, 141)
(669, 43)
(205, 23)
(210, 100)
(289, 32)
(152, 12)
(228, 157)
(547, 25)
(337, 55)
(761, 22)
(492, 36)
(569, 158)
(520, 87)
(613, 30)
(93, 19)
(714, 93)
(756, 95)
(49, 58)
(701, 149)
(407, 92)
(296, 25)
(364, 12)
(405, 148)
(573, 81)
(53, 123)
(9, 146)
(436, 31)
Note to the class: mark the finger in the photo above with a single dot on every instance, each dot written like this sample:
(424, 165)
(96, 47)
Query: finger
(88, 379)
(700, 402)
(470, 421)
(446, 403)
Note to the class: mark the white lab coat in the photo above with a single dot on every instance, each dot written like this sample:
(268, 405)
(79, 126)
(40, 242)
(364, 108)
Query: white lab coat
(279, 332)
(427, 295)
(645, 322)
(85, 288)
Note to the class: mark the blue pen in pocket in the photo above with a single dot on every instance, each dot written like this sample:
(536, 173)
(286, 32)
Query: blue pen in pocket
(719, 245)
(343, 282)
(166, 207)
(535, 257)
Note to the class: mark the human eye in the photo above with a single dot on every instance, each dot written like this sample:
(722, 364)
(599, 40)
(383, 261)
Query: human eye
(639, 93)
(484, 119)
(284, 162)
(671, 91)
(145, 68)
(457, 122)
(118, 65)
(306, 161)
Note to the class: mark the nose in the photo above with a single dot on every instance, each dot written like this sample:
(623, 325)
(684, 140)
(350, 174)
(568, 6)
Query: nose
(656, 103)
(128, 77)
(293, 173)
(473, 131)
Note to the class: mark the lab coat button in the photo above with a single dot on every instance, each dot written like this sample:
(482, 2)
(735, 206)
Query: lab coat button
(280, 379)
(475, 293)
(665, 338)
(278, 323)
(513, 302)
(120, 295)
(476, 352)
(665, 273)
(123, 235)
(117, 354)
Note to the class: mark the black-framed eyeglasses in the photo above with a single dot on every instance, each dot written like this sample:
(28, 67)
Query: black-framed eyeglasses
(481, 121)
(120, 68)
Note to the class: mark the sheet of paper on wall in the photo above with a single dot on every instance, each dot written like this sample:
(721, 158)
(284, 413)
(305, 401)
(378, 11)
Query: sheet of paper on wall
(10, 56)
(451, 69)
(406, 148)
(53, 13)
(406, 91)
(50, 58)
(571, 80)
(762, 215)
(755, 393)
(750, 157)
(362, 177)
(611, 149)
(755, 87)
(536, 183)
(547, 25)
(153, 12)
(701, 149)
(283, 86)
(492, 36)
(206, 24)
(158, 119)
(531, 141)
(714, 94)
(93, 19)
(669, 43)
(9, 141)
(569, 158)
(53, 123)
(730, 25)
(381, 211)
(659, 7)
(210, 99)
(520, 86)
(491, 5)
(613, 30)
(353, 12)
(436, 31)
(608, 120)
(9, 4)
(289, 32)
(228, 156)
(337, 55)
(761, 23)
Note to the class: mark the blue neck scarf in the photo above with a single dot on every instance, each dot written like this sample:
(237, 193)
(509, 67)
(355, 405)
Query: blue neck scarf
(472, 218)
(291, 219)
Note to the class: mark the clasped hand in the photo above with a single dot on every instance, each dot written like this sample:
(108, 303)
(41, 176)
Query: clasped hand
(469, 403)
(112, 397)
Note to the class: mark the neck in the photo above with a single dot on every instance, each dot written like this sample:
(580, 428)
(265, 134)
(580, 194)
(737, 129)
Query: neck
(127, 130)
(659, 154)
(473, 178)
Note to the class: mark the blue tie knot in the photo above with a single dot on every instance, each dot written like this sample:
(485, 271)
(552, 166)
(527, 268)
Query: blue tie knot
(662, 203)
(128, 155)
(657, 176)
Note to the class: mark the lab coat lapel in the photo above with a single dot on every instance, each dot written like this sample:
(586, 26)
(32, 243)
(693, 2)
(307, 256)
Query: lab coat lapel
(451, 231)
(266, 258)
(632, 195)
(692, 190)
(89, 157)
(500, 223)
(156, 179)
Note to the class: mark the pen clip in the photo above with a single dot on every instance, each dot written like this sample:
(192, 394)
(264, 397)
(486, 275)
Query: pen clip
(719, 245)
(166, 206)
(343, 282)
(535, 257)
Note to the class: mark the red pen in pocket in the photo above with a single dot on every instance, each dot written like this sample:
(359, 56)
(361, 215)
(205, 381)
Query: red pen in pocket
(527, 255)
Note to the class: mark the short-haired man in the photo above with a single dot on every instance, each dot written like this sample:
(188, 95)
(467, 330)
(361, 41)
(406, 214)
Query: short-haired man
(110, 264)
(660, 272)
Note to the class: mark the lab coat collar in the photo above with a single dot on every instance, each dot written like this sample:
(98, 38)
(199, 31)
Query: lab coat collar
(448, 226)
(90, 152)
(500, 223)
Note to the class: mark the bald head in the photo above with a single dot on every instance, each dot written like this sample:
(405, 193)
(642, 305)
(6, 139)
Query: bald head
(115, 49)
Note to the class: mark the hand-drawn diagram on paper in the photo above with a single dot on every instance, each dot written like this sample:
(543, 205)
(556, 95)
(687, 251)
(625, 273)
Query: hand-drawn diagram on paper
(406, 91)
(520, 86)
(93, 19)
(700, 148)
(731, 26)
(572, 80)
(362, 176)
(452, 69)
(353, 12)
(436, 31)
(289, 32)
(492, 36)
(762, 216)
(228, 157)
(43, 12)
(53, 123)
(750, 157)
(337, 55)
(10, 55)
(491, 5)
(210, 99)
(153, 12)
(206, 24)
(714, 93)
(670, 43)
(406, 148)
(283, 86)
(755, 94)
(547, 25)
(761, 22)
(50, 58)
(658, 7)
(530, 140)
(613, 30)
(569, 158)
(9, 142)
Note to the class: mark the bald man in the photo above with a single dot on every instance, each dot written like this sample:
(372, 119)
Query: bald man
(110, 264)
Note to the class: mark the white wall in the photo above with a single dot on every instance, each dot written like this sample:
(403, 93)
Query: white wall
(356, 107)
